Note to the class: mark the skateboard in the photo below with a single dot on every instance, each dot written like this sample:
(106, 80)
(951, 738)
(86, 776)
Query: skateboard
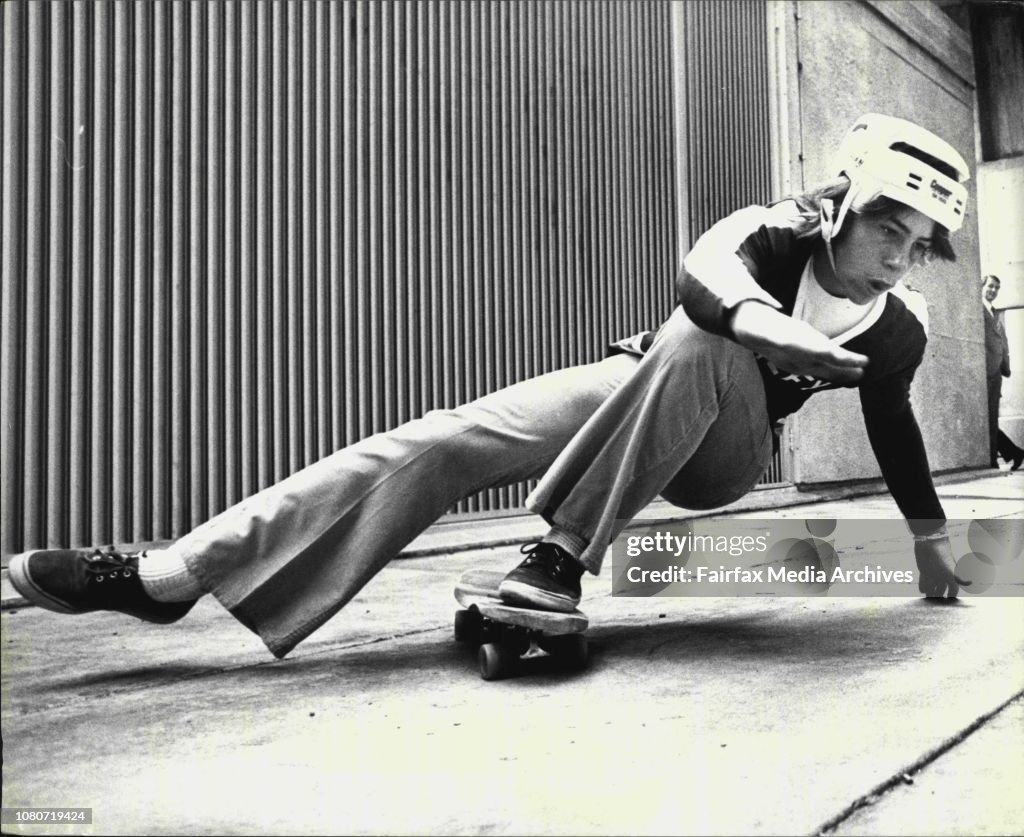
(505, 635)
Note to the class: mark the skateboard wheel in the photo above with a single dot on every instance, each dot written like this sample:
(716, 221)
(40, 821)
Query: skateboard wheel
(495, 660)
(572, 648)
(468, 626)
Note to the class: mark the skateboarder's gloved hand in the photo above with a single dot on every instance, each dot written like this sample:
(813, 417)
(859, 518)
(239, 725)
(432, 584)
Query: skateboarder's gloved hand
(937, 566)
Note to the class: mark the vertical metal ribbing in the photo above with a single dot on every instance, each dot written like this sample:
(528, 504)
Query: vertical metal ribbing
(140, 231)
(564, 309)
(437, 279)
(237, 236)
(539, 274)
(547, 280)
(358, 149)
(32, 397)
(482, 364)
(600, 177)
(273, 322)
(157, 315)
(99, 170)
(180, 345)
(566, 190)
(123, 388)
(462, 205)
(310, 357)
(498, 47)
(291, 280)
(195, 442)
(628, 157)
(218, 369)
(634, 245)
(528, 234)
(728, 111)
(641, 167)
(660, 204)
(300, 363)
(12, 267)
(396, 244)
(584, 161)
(415, 139)
(407, 173)
(508, 189)
(697, 116)
(584, 240)
(518, 205)
(465, 276)
(390, 394)
(346, 152)
(237, 382)
(321, 227)
(334, 184)
(61, 165)
(671, 201)
(375, 371)
(13, 174)
(618, 186)
(493, 200)
(261, 65)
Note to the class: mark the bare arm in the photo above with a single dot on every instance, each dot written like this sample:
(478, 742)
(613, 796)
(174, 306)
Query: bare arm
(794, 345)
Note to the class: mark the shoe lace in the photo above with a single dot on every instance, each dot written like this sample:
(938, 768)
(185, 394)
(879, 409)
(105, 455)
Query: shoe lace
(110, 564)
(540, 552)
(555, 562)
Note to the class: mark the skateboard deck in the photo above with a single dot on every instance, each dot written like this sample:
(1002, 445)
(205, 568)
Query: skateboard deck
(508, 634)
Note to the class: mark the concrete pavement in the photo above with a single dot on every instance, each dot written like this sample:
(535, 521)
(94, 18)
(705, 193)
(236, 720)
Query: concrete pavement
(696, 716)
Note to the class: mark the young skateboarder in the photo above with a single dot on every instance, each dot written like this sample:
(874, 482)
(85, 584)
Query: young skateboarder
(776, 304)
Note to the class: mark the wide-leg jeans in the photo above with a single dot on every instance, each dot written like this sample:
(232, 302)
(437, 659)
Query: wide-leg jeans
(686, 421)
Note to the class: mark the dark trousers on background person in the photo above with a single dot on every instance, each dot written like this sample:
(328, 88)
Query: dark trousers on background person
(999, 444)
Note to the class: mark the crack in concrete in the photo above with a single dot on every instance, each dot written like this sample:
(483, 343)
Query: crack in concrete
(906, 775)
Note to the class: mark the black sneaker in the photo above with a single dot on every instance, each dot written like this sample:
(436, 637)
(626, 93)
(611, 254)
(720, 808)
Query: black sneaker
(79, 581)
(548, 579)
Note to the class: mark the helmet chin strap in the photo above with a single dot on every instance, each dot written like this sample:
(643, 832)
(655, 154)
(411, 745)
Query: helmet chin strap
(832, 222)
(828, 229)
(831, 256)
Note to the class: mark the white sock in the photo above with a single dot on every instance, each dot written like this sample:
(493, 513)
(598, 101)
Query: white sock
(573, 544)
(165, 577)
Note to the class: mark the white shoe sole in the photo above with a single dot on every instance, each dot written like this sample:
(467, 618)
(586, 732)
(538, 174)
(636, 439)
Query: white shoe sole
(517, 593)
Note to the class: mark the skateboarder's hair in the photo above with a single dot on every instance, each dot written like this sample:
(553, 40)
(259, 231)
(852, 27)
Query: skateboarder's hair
(835, 190)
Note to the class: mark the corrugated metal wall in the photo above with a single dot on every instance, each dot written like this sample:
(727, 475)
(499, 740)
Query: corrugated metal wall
(727, 104)
(236, 236)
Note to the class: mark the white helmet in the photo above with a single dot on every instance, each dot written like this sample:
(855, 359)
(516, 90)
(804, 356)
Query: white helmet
(881, 156)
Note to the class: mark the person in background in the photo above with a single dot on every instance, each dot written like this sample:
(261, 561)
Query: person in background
(997, 367)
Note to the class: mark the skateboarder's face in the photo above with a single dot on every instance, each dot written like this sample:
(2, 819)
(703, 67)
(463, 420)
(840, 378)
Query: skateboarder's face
(876, 251)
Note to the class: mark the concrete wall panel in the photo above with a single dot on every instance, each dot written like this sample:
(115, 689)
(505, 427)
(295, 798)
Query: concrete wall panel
(855, 59)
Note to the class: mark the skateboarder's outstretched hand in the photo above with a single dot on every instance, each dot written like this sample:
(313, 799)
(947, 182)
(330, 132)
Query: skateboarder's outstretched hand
(794, 346)
(937, 568)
